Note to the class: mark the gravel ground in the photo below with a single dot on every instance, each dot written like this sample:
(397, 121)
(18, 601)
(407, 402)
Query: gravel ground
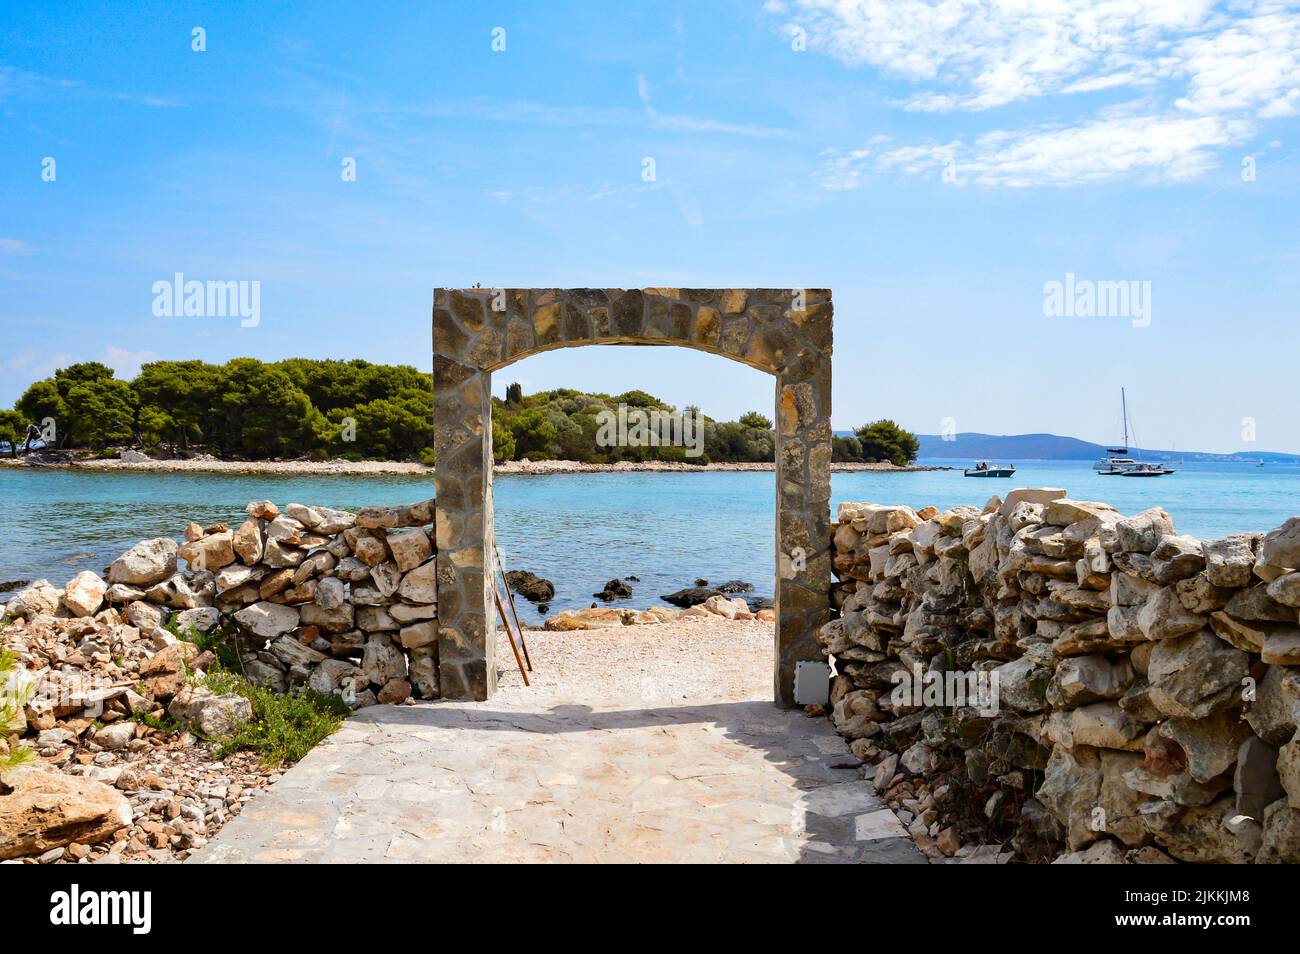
(692, 660)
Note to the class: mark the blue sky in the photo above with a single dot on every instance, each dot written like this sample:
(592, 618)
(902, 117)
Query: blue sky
(935, 164)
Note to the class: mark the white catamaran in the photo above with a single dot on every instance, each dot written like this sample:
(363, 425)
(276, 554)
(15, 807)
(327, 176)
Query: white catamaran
(1118, 463)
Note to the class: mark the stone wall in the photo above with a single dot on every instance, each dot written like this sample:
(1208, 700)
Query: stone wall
(344, 603)
(1139, 686)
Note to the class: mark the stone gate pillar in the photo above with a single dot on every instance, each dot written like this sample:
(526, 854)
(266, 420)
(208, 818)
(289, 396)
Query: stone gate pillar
(462, 446)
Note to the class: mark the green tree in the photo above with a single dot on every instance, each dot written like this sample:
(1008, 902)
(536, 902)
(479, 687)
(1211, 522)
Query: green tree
(533, 432)
(42, 402)
(175, 399)
(515, 394)
(503, 441)
(261, 413)
(846, 450)
(103, 412)
(13, 429)
(884, 440)
(756, 421)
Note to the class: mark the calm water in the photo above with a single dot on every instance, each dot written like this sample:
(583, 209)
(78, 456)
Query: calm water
(581, 530)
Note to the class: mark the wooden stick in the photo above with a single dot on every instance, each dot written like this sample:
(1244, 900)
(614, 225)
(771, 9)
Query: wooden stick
(505, 619)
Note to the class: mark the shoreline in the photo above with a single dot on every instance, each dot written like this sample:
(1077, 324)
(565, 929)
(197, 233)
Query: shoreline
(412, 468)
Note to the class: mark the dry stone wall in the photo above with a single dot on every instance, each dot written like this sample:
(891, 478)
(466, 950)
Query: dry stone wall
(1049, 679)
(345, 603)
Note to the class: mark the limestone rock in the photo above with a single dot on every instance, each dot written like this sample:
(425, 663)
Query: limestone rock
(381, 661)
(211, 552)
(414, 515)
(1032, 495)
(338, 619)
(1210, 744)
(1281, 547)
(1192, 676)
(145, 616)
(1228, 560)
(329, 594)
(1080, 680)
(1286, 589)
(214, 716)
(1142, 532)
(165, 674)
(1022, 684)
(247, 541)
(332, 674)
(1104, 852)
(419, 634)
(116, 735)
(1084, 788)
(394, 691)
(410, 548)
(1208, 834)
(202, 619)
(1164, 616)
(1280, 842)
(263, 510)
(421, 584)
(41, 809)
(84, 594)
(267, 620)
(1255, 605)
(146, 563)
(292, 652)
(1282, 647)
(33, 600)
(1272, 712)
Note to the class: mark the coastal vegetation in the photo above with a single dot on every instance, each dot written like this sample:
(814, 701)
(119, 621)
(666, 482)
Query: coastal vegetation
(247, 409)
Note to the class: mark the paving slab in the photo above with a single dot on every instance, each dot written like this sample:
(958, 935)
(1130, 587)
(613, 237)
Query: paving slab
(583, 766)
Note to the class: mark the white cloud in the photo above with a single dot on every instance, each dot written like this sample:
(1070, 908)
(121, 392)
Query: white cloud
(13, 246)
(995, 52)
(1150, 149)
(1209, 74)
(126, 364)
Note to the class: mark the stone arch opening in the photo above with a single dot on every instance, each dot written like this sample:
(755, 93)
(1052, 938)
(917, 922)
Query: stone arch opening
(786, 333)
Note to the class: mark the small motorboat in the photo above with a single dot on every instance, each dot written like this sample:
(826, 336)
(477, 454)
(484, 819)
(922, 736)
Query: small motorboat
(984, 468)
(1114, 466)
(1147, 470)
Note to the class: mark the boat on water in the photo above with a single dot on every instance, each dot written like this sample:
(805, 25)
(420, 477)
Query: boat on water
(985, 468)
(1117, 463)
(1147, 470)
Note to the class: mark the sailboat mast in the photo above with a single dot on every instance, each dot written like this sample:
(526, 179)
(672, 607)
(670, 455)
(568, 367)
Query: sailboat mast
(1123, 403)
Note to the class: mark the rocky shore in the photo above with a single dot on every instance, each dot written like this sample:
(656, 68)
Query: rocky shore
(342, 604)
(1045, 679)
(205, 465)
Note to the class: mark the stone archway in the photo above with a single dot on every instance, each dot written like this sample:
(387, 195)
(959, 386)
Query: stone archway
(787, 333)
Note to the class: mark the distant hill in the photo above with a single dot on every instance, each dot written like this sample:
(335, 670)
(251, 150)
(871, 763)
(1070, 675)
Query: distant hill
(1008, 448)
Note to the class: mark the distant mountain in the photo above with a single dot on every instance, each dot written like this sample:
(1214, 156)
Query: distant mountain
(1008, 448)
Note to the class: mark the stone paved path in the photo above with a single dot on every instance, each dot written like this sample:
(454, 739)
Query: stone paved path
(583, 767)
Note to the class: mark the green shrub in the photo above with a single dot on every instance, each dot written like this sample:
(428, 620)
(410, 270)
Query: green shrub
(283, 728)
(11, 704)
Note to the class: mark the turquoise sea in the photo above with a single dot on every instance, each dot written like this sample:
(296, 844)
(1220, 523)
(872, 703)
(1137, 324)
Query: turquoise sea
(582, 530)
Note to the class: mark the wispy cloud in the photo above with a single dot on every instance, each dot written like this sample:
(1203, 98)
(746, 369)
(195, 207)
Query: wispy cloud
(13, 246)
(1206, 75)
